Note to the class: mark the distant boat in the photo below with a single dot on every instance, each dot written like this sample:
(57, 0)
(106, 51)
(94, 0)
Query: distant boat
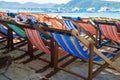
(91, 9)
(75, 9)
(104, 9)
(115, 10)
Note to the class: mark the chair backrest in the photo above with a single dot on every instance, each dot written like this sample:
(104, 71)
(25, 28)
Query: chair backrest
(87, 26)
(35, 38)
(56, 23)
(4, 31)
(18, 30)
(109, 30)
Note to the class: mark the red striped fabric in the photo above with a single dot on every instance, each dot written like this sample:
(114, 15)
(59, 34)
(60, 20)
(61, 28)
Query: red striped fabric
(110, 32)
(36, 40)
(88, 28)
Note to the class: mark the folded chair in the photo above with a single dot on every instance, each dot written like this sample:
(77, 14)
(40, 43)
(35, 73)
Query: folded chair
(72, 42)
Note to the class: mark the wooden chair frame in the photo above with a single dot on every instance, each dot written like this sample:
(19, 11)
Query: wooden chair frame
(80, 27)
(30, 48)
(92, 49)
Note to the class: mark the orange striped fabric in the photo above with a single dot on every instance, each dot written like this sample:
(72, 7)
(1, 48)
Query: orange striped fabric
(57, 24)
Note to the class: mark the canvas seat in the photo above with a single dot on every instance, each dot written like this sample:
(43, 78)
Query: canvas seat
(109, 30)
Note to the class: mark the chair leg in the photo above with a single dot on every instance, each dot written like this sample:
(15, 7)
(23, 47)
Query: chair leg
(54, 54)
(105, 65)
(10, 39)
(30, 49)
(90, 72)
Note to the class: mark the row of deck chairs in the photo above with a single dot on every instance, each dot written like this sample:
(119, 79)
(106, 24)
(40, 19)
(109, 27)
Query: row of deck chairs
(34, 39)
(66, 38)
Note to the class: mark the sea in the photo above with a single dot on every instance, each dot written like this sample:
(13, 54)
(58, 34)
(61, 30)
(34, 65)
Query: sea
(115, 15)
(87, 14)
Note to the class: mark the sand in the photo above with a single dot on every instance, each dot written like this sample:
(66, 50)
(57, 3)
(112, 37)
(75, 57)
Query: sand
(19, 71)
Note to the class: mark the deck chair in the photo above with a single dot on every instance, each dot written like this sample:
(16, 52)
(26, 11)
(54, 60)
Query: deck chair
(88, 28)
(22, 39)
(110, 31)
(70, 40)
(4, 33)
(38, 40)
(18, 33)
(12, 32)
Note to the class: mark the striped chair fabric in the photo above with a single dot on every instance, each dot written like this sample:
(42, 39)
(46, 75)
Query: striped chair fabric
(110, 32)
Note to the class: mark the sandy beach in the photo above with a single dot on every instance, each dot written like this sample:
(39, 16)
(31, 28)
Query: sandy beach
(19, 71)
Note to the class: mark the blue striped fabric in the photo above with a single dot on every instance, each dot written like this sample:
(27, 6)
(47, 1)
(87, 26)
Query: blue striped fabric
(76, 18)
(5, 32)
(69, 25)
(73, 18)
(72, 45)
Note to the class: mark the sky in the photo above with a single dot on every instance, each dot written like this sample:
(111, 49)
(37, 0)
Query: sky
(114, 0)
(39, 1)
(47, 1)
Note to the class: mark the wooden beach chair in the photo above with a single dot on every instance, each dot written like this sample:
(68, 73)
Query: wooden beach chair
(12, 32)
(47, 47)
(110, 30)
(72, 42)
(89, 30)
(18, 34)
(39, 42)
(85, 27)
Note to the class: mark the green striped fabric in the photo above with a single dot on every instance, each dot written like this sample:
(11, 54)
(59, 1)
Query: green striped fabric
(18, 30)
